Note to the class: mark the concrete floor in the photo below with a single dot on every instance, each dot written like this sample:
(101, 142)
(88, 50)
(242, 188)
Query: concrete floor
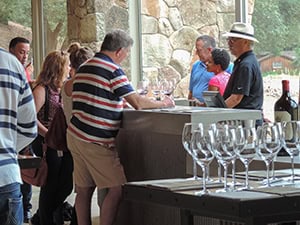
(71, 198)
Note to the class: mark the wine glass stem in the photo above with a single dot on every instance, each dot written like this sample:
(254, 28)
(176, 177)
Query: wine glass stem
(273, 169)
(195, 170)
(219, 171)
(207, 176)
(233, 174)
(293, 170)
(225, 177)
(247, 175)
(268, 176)
(204, 170)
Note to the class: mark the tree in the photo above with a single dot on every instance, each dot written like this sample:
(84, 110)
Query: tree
(55, 13)
(276, 24)
(269, 25)
(290, 12)
(17, 11)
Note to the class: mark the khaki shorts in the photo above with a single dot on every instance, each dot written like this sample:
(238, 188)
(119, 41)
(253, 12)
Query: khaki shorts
(95, 165)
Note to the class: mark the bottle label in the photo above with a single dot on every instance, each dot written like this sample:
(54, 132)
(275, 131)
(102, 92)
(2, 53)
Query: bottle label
(281, 116)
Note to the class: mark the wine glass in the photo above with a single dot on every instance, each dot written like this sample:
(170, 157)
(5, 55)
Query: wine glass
(245, 148)
(268, 145)
(186, 142)
(166, 87)
(214, 128)
(280, 133)
(223, 146)
(156, 89)
(202, 152)
(142, 88)
(291, 142)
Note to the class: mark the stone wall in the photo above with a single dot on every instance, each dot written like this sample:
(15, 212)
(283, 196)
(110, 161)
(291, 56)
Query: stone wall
(169, 30)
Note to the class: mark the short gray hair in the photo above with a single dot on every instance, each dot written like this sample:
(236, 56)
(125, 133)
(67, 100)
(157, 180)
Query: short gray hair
(208, 41)
(115, 40)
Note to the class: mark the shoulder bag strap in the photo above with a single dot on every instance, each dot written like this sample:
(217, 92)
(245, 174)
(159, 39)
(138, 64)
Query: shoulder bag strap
(46, 112)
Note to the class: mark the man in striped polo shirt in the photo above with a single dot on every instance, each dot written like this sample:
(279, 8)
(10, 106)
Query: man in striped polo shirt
(18, 128)
(99, 88)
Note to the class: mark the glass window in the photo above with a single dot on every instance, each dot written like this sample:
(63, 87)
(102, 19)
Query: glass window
(277, 27)
(15, 20)
(55, 24)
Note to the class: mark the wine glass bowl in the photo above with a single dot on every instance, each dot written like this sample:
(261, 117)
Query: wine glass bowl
(202, 152)
(291, 142)
(268, 145)
(245, 148)
(186, 139)
(167, 87)
(142, 88)
(156, 89)
(223, 146)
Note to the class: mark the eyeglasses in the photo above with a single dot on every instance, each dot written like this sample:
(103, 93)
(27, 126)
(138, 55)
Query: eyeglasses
(233, 39)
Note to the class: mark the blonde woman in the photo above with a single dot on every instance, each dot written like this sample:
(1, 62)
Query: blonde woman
(59, 185)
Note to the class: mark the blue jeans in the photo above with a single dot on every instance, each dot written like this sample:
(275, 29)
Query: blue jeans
(11, 207)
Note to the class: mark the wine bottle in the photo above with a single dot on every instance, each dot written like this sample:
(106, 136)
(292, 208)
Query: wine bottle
(285, 108)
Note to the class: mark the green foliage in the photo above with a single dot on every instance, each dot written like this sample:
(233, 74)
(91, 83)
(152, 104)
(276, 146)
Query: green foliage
(55, 17)
(271, 73)
(17, 11)
(56, 11)
(277, 26)
(269, 27)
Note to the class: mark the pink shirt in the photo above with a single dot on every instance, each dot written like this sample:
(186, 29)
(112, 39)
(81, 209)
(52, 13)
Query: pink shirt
(220, 81)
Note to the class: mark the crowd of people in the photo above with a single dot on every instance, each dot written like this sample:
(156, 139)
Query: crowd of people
(92, 88)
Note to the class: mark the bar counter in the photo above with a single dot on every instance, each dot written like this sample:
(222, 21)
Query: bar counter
(150, 148)
(257, 206)
(152, 138)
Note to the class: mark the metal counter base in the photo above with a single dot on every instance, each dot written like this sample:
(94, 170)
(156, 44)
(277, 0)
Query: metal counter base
(258, 209)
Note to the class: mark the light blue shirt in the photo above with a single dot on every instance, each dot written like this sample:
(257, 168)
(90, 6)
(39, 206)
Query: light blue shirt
(18, 126)
(199, 79)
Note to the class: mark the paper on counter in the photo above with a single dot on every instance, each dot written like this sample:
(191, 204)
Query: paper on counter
(178, 184)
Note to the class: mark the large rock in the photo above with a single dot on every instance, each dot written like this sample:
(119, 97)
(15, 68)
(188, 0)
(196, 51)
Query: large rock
(155, 8)
(169, 73)
(116, 17)
(92, 28)
(150, 74)
(226, 6)
(150, 24)
(197, 13)
(175, 18)
(157, 50)
(165, 27)
(184, 38)
(182, 57)
(103, 6)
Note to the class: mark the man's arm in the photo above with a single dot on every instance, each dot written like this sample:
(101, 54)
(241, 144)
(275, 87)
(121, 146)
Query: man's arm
(139, 102)
(233, 100)
(27, 122)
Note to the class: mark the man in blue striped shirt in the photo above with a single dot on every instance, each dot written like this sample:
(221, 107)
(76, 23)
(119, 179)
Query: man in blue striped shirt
(98, 91)
(18, 128)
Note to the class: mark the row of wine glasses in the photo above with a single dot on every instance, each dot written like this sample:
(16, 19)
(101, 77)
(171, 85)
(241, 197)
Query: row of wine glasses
(158, 87)
(227, 143)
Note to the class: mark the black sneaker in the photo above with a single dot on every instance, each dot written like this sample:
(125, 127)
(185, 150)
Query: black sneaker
(67, 211)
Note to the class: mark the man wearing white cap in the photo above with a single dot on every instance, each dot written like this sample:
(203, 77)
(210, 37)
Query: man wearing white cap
(245, 86)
